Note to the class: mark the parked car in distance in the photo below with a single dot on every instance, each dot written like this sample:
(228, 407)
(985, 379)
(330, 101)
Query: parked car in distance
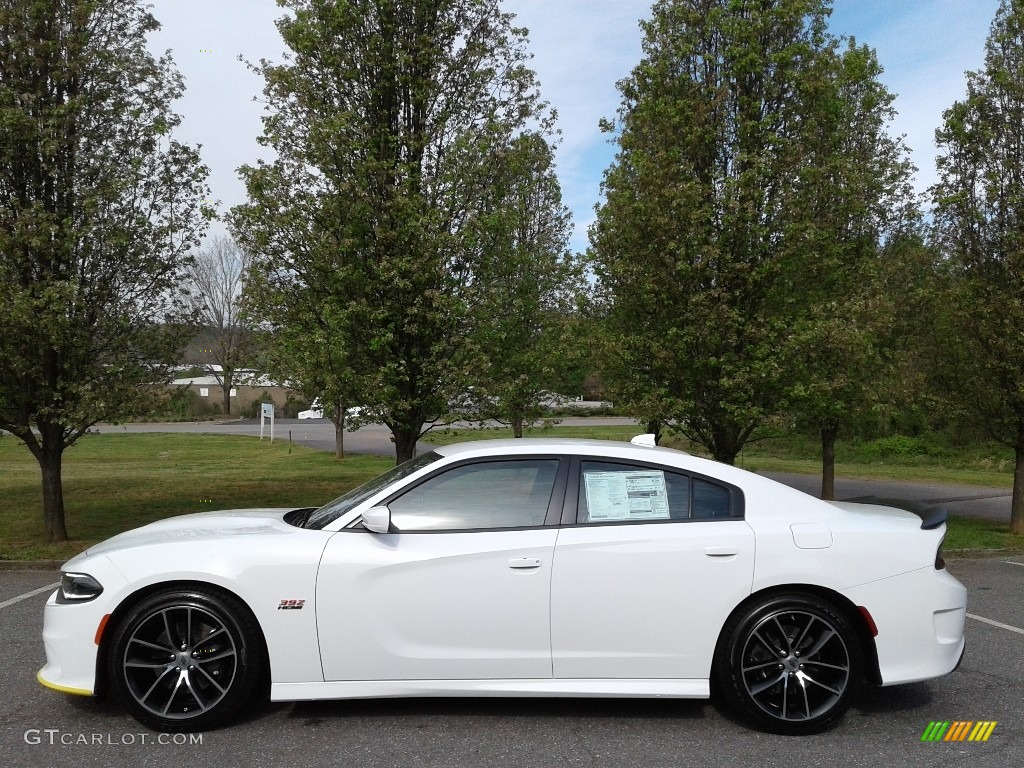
(316, 411)
(536, 567)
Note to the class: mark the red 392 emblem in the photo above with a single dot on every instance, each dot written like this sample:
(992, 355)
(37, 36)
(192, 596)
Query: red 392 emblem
(291, 605)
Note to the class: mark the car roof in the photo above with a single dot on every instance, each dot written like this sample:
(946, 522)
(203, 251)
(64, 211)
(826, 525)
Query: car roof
(557, 445)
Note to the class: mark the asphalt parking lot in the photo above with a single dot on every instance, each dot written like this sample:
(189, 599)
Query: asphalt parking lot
(45, 728)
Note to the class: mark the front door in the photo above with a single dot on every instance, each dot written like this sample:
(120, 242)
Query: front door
(460, 590)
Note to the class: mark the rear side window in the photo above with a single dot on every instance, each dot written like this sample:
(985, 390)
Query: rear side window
(710, 500)
(615, 493)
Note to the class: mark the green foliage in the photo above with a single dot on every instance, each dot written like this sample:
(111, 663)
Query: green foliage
(98, 210)
(858, 206)
(978, 217)
(388, 118)
(524, 287)
(739, 250)
(900, 447)
(186, 404)
(699, 240)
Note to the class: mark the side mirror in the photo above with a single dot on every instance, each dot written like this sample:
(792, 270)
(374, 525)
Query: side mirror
(377, 519)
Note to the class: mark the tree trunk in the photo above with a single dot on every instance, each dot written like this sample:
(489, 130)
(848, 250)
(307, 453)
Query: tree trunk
(654, 428)
(725, 454)
(53, 492)
(726, 445)
(828, 463)
(1017, 504)
(339, 433)
(226, 389)
(517, 426)
(405, 443)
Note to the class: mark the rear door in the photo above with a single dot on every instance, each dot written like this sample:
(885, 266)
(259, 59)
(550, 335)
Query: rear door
(651, 565)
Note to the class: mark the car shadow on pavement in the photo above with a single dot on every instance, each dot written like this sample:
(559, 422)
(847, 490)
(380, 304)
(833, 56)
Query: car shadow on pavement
(875, 700)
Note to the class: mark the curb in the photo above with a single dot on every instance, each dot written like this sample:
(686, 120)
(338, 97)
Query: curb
(31, 565)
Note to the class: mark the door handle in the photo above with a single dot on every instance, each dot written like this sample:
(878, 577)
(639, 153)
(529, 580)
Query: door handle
(721, 551)
(524, 562)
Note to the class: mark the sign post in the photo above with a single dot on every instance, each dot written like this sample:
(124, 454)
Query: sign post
(267, 411)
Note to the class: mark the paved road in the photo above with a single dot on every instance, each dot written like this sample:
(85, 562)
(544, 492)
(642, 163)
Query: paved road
(963, 500)
(966, 500)
(884, 727)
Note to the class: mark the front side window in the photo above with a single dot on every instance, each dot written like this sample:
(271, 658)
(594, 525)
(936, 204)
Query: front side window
(614, 493)
(335, 509)
(482, 495)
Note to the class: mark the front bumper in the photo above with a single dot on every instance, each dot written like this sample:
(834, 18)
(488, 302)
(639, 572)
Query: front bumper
(920, 618)
(71, 630)
(69, 637)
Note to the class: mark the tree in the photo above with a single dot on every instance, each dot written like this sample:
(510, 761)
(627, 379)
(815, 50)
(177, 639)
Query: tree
(979, 221)
(304, 347)
(98, 208)
(855, 186)
(386, 117)
(702, 232)
(525, 286)
(216, 280)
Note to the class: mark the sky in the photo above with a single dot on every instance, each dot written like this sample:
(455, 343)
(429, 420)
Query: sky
(581, 48)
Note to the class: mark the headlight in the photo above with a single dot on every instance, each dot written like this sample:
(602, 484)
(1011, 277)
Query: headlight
(78, 588)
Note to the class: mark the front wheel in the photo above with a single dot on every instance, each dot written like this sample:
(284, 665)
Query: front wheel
(185, 660)
(791, 664)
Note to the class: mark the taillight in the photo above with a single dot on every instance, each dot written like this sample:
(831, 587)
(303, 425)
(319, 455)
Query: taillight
(940, 561)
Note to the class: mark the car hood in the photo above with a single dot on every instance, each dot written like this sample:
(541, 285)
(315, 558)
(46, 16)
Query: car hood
(199, 526)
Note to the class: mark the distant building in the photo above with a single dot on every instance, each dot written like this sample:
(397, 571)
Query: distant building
(248, 388)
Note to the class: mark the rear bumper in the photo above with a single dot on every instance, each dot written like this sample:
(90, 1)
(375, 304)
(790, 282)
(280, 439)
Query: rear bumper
(920, 618)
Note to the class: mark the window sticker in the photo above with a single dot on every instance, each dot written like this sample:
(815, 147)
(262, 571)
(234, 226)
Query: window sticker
(634, 495)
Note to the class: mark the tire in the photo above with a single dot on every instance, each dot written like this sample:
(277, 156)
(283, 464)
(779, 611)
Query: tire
(791, 664)
(185, 659)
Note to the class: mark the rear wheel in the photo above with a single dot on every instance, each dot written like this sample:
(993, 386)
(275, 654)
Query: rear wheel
(185, 660)
(791, 664)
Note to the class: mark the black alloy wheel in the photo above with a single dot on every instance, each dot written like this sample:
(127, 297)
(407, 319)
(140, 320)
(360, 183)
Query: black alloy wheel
(185, 660)
(791, 664)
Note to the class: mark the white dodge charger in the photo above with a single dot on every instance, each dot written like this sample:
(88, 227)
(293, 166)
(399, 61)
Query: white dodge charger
(516, 568)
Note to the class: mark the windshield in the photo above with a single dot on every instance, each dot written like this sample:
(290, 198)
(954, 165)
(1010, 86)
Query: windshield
(335, 509)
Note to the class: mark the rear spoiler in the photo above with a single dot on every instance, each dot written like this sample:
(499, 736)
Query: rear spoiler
(931, 516)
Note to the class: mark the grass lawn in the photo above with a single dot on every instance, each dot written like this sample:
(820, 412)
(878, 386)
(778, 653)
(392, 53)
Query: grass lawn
(116, 482)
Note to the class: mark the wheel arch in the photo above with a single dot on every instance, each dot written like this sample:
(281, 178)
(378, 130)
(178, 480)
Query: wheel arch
(133, 599)
(857, 620)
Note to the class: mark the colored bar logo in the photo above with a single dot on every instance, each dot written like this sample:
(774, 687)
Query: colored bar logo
(958, 730)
